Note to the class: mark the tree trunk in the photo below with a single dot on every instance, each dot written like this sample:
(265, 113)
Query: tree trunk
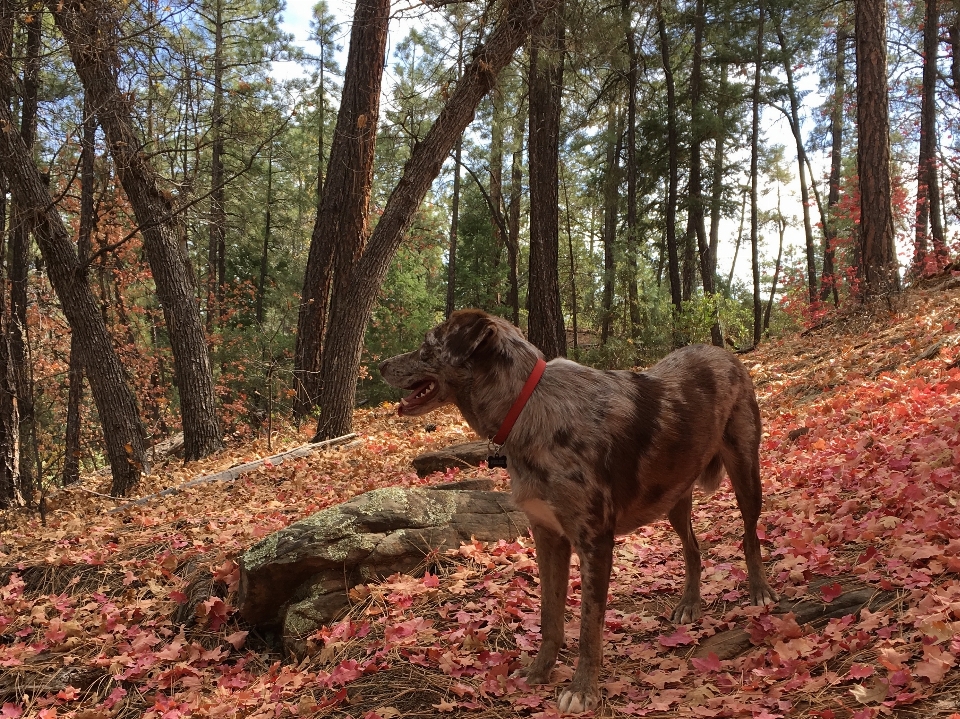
(736, 246)
(801, 166)
(265, 250)
(828, 281)
(341, 226)
(782, 228)
(351, 310)
(88, 224)
(633, 301)
(754, 179)
(90, 29)
(673, 150)
(10, 490)
(611, 200)
(122, 431)
(545, 321)
(217, 221)
(928, 182)
(696, 200)
(573, 274)
(513, 232)
(454, 228)
(878, 259)
(19, 262)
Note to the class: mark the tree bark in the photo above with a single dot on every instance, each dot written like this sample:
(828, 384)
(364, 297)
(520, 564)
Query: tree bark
(928, 182)
(513, 233)
(351, 310)
(122, 431)
(633, 300)
(20, 260)
(265, 250)
(673, 150)
(545, 327)
(454, 229)
(217, 221)
(801, 166)
(341, 226)
(754, 179)
(90, 29)
(878, 259)
(611, 199)
(828, 280)
(10, 489)
(88, 223)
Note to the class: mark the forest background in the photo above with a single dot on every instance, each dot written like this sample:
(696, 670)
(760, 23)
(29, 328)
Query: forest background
(211, 249)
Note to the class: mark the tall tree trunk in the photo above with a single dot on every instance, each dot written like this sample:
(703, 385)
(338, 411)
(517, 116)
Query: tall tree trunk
(90, 29)
(10, 489)
(611, 200)
(545, 321)
(633, 72)
(20, 261)
(122, 431)
(828, 281)
(696, 200)
(739, 241)
(454, 229)
(351, 310)
(88, 223)
(673, 150)
(513, 233)
(265, 250)
(341, 226)
(878, 259)
(782, 229)
(754, 179)
(928, 182)
(801, 165)
(217, 220)
(573, 273)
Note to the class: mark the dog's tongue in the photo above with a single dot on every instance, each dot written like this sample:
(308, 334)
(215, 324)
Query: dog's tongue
(418, 395)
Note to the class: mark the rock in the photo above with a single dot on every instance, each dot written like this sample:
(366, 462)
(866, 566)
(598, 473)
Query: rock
(298, 579)
(470, 454)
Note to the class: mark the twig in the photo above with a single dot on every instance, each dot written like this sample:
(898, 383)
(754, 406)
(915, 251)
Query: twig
(228, 475)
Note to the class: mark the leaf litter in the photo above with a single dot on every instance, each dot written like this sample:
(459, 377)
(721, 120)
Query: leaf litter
(131, 614)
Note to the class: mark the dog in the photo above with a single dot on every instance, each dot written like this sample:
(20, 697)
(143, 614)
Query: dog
(594, 454)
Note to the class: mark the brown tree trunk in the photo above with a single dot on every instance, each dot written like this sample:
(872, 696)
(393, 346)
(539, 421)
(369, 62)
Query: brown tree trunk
(781, 228)
(928, 181)
(801, 166)
(217, 221)
(754, 179)
(673, 159)
(340, 230)
(90, 29)
(828, 281)
(265, 250)
(545, 321)
(350, 310)
(454, 229)
(633, 72)
(513, 233)
(878, 259)
(611, 198)
(10, 490)
(20, 260)
(696, 200)
(122, 431)
(88, 223)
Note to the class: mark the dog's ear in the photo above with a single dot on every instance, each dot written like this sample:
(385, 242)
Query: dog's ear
(468, 334)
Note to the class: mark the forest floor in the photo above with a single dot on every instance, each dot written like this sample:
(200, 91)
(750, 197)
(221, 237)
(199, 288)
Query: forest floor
(100, 613)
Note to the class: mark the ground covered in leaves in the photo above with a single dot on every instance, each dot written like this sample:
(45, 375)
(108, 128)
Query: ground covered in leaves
(129, 613)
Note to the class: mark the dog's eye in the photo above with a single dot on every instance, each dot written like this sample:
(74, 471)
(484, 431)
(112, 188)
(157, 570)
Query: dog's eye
(426, 353)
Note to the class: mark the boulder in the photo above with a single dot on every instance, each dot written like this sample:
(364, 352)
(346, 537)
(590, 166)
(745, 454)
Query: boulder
(470, 454)
(298, 579)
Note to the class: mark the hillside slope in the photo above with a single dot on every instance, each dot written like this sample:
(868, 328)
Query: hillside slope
(129, 614)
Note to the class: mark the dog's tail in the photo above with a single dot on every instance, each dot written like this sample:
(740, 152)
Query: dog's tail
(709, 479)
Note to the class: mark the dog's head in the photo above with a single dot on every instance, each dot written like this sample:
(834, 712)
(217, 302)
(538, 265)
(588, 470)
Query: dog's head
(469, 343)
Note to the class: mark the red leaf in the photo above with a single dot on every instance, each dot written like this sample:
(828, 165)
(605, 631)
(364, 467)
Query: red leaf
(678, 638)
(829, 592)
(710, 664)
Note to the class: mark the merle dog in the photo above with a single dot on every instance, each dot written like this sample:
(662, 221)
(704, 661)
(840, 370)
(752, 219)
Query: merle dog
(595, 454)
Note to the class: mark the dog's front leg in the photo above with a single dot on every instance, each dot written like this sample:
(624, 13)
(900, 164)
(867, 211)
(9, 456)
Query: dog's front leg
(553, 561)
(596, 560)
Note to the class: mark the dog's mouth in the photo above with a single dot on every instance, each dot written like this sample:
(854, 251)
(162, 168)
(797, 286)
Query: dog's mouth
(420, 394)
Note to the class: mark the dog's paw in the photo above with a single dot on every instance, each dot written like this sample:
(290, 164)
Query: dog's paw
(762, 594)
(536, 673)
(687, 611)
(576, 700)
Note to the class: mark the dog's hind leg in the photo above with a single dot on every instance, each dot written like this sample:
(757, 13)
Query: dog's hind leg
(741, 456)
(596, 561)
(688, 609)
(553, 561)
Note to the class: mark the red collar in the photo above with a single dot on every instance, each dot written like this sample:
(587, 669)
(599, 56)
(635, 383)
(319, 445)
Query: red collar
(521, 402)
